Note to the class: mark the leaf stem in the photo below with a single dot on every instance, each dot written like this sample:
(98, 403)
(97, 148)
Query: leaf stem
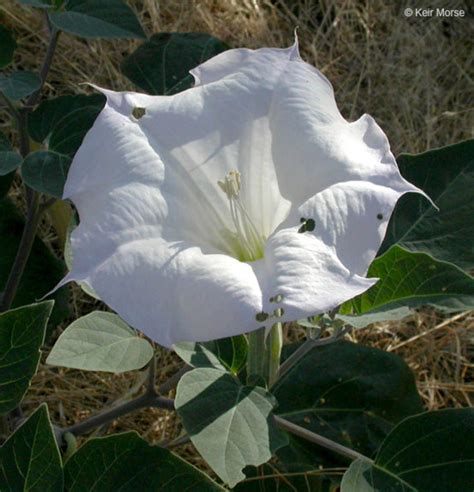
(318, 439)
(306, 347)
(146, 400)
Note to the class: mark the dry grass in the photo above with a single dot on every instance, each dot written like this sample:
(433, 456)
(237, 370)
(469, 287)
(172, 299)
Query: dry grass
(413, 75)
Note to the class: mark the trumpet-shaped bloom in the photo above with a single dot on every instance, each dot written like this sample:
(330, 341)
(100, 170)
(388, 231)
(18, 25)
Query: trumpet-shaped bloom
(245, 200)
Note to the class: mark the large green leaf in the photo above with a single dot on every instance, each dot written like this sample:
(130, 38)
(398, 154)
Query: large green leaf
(346, 392)
(161, 65)
(53, 116)
(126, 463)
(447, 176)
(30, 459)
(270, 478)
(19, 84)
(230, 424)
(98, 19)
(225, 353)
(46, 171)
(431, 452)
(100, 342)
(7, 46)
(22, 333)
(414, 279)
(43, 270)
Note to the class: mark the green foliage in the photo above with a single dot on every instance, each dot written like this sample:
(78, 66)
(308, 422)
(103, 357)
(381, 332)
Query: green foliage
(30, 459)
(226, 353)
(431, 452)
(64, 121)
(230, 424)
(161, 65)
(346, 392)
(9, 161)
(7, 46)
(22, 333)
(375, 316)
(46, 171)
(447, 176)
(100, 342)
(414, 279)
(269, 478)
(127, 463)
(43, 270)
(98, 19)
(19, 84)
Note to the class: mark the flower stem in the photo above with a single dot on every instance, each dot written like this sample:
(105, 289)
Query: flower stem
(263, 360)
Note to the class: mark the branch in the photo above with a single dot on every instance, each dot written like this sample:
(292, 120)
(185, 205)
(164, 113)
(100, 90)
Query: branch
(23, 253)
(306, 347)
(53, 41)
(144, 401)
(319, 440)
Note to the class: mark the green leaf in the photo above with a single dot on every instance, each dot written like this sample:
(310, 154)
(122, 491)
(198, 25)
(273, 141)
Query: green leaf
(161, 65)
(7, 46)
(414, 279)
(98, 19)
(51, 116)
(21, 336)
(225, 353)
(230, 424)
(363, 320)
(127, 463)
(100, 342)
(270, 478)
(346, 392)
(46, 171)
(68, 134)
(43, 270)
(19, 84)
(447, 176)
(431, 452)
(9, 161)
(30, 459)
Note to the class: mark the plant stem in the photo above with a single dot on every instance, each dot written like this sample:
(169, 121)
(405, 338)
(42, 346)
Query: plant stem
(263, 360)
(173, 380)
(143, 401)
(317, 439)
(53, 41)
(32, 197)
(306, 347)
(23, 253)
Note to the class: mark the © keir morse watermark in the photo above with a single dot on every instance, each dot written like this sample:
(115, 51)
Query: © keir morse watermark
(438, 12)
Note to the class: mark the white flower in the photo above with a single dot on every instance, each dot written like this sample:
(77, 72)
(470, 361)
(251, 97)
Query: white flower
(245, 200)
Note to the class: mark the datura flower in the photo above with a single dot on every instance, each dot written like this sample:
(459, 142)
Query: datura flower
(243, 201)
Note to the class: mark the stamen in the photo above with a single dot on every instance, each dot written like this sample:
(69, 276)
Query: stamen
(250, 242)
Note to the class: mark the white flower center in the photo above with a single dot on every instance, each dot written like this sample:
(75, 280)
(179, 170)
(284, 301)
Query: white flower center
(246, 242)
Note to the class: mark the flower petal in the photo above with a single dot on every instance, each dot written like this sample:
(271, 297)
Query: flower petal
(173, 292)
(306, 275)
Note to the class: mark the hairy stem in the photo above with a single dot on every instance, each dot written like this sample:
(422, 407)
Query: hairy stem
(146, 400)
(317, 439)
(263, 360)
(306, 347)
